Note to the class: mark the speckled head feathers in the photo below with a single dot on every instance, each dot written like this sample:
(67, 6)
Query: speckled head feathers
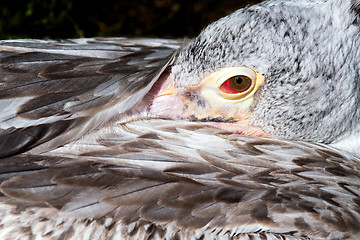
(309, 52)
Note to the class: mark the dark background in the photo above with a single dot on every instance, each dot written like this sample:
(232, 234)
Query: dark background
(78, 18)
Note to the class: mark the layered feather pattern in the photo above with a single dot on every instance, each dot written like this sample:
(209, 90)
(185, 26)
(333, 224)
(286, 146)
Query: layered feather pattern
(55, 92)
(158, 172)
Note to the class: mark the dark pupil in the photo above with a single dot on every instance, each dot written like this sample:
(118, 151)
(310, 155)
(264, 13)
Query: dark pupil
(238, 80)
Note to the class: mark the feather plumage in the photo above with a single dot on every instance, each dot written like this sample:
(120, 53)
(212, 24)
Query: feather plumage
(289, 188)
(82, 156)
(63, 90)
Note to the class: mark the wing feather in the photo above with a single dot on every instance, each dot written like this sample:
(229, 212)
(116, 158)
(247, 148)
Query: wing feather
(277, 187)
(46, 84)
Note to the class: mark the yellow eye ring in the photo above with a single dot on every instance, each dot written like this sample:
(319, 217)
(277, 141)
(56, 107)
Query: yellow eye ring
(238, 83)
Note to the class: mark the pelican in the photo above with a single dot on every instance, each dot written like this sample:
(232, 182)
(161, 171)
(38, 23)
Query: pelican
(249, 131)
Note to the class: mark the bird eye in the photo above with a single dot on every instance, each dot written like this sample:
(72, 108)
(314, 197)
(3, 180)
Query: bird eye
(236, 84)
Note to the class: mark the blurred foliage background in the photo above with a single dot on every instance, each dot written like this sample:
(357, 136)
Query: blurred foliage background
(78, 18)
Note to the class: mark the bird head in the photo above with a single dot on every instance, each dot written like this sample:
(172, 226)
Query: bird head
(285, 69)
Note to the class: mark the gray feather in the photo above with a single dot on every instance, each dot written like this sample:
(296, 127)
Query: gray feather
(308, 51)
